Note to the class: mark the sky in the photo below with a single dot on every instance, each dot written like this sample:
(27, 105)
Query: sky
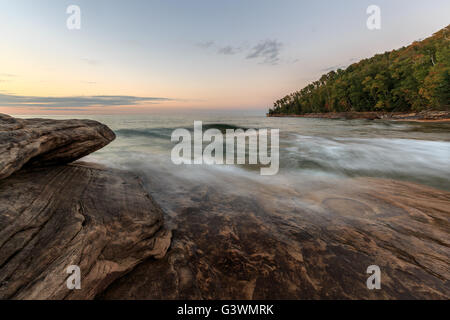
(137, 56)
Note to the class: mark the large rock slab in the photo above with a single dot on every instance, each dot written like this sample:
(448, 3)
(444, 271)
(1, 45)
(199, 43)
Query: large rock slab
(315, 243)
(50, 218)
(47, 142)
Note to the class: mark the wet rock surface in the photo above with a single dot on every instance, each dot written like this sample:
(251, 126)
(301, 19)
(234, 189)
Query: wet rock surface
(229, 242)
(243, 247)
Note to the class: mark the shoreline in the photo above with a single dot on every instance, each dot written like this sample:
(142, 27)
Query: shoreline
(424, 116)
(425, 120)
(133, 238)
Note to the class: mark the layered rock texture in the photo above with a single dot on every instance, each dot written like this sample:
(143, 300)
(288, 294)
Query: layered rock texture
(54, 216)
(308, 245)
(38, 142)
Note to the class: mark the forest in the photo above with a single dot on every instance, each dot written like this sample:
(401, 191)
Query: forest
(413, 78)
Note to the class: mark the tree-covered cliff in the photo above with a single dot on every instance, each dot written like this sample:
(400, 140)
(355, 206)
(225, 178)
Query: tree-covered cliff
(413, 78)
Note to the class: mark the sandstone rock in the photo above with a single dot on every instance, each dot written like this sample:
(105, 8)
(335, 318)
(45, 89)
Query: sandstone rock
(27, 142)
(314, 245)
(50, 218)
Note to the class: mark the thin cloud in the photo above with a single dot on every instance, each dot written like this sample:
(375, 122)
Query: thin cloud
(340, 66)
(268, 51)
(205, 44)
(332, 68)
(223, 50)
(7, 100)
(228, 50)
(64, 109)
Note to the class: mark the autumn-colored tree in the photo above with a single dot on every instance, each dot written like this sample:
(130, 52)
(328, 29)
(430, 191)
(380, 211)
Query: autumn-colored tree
(413, 78)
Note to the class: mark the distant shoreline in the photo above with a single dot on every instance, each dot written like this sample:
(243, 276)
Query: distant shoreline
(423, 116)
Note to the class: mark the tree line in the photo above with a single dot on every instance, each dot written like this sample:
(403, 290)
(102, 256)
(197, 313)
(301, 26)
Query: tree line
(413, 78)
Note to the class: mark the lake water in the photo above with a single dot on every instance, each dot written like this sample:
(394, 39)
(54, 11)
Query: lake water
(313, 153)
(308, 232)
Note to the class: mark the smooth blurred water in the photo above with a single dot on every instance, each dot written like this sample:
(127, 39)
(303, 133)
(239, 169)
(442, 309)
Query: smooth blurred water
(312, 152)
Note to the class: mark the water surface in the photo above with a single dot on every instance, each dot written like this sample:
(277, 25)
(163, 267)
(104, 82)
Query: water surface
(314, 153)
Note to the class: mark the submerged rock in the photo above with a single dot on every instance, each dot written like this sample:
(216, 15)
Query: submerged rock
(316, 244)
(29, 142)
(51, 218)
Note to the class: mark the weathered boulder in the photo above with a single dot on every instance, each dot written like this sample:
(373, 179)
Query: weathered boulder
(50, 218)
(47, 142)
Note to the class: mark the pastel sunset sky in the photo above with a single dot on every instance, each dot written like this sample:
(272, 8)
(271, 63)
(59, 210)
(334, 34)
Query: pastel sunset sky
(138, 56)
